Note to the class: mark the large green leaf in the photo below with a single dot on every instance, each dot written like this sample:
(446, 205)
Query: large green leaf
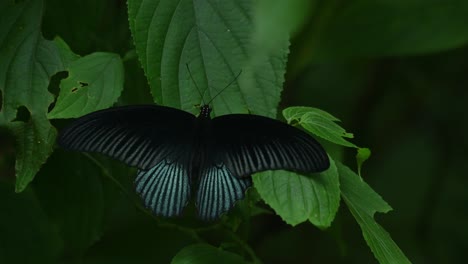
(94, 82)
(205, 254)
(275, 19)
(214, 39)
(27, 62)
(26, 234)
(363, 203)
(297, 198)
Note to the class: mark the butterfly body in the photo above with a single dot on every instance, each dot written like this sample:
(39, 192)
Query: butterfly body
(175, 150)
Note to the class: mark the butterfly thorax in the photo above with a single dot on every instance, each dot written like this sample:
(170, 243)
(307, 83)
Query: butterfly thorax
(203, 142)
(205, 111)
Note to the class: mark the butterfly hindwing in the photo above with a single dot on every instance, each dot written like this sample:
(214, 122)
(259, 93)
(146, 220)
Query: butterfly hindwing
(218, 190)
(251, 143)
(165, 188)
(140, 136)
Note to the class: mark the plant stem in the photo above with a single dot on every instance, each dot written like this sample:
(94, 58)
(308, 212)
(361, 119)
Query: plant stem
(246, 247)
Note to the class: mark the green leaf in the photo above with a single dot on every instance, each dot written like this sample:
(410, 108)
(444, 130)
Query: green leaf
(27, 235)
(363, 203)
(319, 123)
(27, 62)
(377, 28)
(34, 143)
(276, 18)
(94, 82)
(297, 198)
(295, 113)
(214, 39)
(65, 52)
(76, 204)
(274, 23)
(205, 254)
(362, 155)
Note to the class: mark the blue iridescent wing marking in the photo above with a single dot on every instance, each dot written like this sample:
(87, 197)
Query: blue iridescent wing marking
(218, 190)
(165, 188)
(140, 136)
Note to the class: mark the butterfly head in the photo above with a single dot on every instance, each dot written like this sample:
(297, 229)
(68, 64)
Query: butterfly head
(205, 111)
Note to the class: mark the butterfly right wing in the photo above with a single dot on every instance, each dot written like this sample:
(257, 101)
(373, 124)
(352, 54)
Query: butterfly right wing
(140, 136)
(218, 191)
(248, 144)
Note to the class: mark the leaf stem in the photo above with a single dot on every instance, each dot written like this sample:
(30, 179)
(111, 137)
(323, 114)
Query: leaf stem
(245, 246)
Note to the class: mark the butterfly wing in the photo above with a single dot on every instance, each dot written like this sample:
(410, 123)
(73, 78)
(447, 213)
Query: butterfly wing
(251, 143)
(155, 139)
(165, 188)
(218, 190)
(140, 136)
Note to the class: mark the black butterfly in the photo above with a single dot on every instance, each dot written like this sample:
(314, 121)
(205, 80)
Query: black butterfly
(174, 149)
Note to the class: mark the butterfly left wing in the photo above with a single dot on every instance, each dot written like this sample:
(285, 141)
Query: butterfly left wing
(251, 143)
(218, 190)
(165, 188)
(140, 135)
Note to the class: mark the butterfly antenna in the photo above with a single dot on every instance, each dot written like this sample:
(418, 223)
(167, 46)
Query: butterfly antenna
(235, 79)
(193, 80)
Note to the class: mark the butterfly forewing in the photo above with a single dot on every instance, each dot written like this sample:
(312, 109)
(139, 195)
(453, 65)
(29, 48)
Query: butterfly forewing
(250, 143)
(140, 136)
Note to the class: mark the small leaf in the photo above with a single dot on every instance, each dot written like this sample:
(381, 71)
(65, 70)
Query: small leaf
(363, 202)
(320, 123)
(362, 155)
(95, 82)
(206, 254)
(297, 198)
(65, 52)
(295, 113)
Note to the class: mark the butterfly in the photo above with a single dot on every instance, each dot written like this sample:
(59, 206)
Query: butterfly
(176, 151)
